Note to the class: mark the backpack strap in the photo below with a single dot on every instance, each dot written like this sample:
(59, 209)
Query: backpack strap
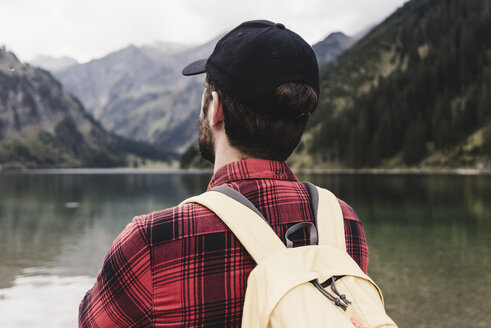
(255, 233)
(232, 193)
(328, 216)
(246, 222)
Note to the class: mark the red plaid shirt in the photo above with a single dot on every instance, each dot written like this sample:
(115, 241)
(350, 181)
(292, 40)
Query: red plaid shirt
(183, 267)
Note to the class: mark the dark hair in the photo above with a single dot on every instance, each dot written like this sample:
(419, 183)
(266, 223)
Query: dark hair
(267, 135)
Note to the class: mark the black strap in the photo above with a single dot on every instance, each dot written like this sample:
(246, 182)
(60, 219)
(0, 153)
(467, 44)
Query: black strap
(234, 194)
(314, 195)
(298, 226)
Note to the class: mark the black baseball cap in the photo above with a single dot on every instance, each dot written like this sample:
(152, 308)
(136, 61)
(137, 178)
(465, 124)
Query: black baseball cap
(253, 59)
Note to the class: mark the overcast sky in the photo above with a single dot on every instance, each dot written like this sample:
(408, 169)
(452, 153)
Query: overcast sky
(87, 29)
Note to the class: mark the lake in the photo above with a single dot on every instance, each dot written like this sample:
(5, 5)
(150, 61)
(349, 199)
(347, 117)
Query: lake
(429, 238)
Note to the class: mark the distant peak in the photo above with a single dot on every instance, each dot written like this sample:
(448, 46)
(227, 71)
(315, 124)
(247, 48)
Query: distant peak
(8, 60)
(131, 46)
(129, 49)
(336, 36)
(53, 64)
(7, 53)
(339, 33)
(167, 47)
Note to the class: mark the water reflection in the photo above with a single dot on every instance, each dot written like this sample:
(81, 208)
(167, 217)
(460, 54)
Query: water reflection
(40, 224)
(429, 238)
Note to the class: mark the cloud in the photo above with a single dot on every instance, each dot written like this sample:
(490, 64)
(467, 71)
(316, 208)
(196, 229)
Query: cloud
(87, 29)
(312, 19)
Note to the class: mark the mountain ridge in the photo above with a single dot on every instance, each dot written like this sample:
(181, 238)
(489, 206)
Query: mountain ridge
(142, 94)
(53, 64)
(43, 126)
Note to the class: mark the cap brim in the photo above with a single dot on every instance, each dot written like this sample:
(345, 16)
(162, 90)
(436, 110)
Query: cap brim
(198, 67)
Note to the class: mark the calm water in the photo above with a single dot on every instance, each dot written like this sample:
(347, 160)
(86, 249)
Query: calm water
(429, 239)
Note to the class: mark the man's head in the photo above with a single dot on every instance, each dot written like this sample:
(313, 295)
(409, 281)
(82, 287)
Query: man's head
(267, 81)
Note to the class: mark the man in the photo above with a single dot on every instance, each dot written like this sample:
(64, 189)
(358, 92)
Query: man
(182, 266)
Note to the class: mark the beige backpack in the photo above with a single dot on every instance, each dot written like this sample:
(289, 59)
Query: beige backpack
(309, 286)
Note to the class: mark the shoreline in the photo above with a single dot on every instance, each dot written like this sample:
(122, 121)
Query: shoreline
(399, 171)
(368, 171)
(115, 170)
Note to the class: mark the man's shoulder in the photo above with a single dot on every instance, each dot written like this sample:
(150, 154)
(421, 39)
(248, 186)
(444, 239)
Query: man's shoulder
(181, 221)
(348, 212)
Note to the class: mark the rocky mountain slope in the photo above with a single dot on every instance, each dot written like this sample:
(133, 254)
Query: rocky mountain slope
(42, 126)
(139, 93)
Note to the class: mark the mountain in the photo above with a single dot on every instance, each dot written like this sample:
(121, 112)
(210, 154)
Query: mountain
(42, 126)
(53, 64)
(139, 93)
(415, 91)
(331, 47)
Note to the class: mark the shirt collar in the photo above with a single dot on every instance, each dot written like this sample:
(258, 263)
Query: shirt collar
(251, 169)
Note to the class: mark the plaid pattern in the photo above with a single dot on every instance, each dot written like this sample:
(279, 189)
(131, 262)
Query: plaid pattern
(182, 267)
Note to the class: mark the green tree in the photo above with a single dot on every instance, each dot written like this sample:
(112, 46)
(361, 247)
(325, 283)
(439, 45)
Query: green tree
(487, 141)
(414, 143)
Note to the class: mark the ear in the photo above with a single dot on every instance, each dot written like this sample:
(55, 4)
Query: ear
(217, 110)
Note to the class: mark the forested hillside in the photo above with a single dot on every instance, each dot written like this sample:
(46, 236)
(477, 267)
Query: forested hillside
(415, 91)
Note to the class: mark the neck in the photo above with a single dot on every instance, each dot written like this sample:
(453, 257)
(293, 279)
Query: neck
(225, 153)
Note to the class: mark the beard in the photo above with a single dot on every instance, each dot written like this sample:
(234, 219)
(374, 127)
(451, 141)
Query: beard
(205, 137)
